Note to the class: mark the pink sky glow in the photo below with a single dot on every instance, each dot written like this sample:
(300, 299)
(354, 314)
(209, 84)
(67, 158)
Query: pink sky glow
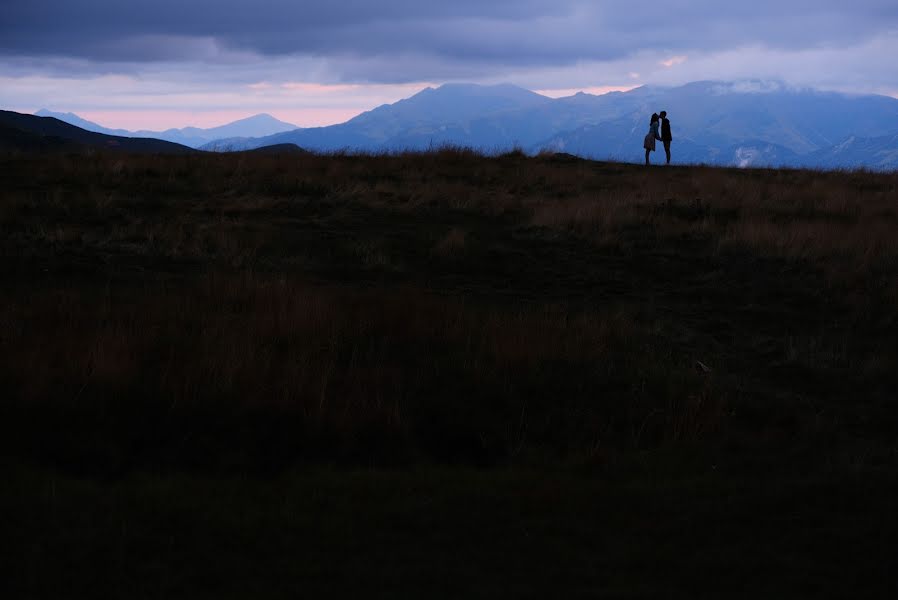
(349, 106)
(160, 120)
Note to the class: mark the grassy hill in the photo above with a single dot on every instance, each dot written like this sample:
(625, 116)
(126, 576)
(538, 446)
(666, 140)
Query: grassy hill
(446, 375)
(27, 133)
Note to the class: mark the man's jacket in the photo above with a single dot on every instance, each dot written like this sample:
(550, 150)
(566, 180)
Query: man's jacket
(665, 130)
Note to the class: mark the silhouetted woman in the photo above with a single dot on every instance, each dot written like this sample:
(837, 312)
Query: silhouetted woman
(651, 136)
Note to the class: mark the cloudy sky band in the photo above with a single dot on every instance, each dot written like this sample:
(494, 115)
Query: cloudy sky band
(173, 62)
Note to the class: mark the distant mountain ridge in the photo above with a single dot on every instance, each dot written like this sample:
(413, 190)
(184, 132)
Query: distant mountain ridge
(719, 123)
(73, 119)
(747, 123)
(32, 133)
(415, 122)
(255, 126)
(874, 153)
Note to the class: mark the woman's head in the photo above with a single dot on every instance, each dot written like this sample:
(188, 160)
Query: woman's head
(654, 118)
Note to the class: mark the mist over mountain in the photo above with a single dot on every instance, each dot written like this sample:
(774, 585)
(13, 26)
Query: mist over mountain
(255, 126)
(750, 123)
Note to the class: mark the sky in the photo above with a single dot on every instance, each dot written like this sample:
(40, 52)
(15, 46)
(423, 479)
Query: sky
(141, 64)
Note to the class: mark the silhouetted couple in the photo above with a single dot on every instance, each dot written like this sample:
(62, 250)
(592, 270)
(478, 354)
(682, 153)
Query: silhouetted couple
(652, 135)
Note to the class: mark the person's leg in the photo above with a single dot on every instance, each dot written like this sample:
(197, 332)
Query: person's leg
(667, 151)
(647, 155)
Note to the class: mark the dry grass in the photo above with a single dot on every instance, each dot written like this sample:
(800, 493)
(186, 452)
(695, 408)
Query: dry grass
(452, 243)
(389, 363)
(844, 222)
(446, 304)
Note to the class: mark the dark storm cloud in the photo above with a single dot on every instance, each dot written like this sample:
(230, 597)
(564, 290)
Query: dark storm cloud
(442, 37)
(88, 28)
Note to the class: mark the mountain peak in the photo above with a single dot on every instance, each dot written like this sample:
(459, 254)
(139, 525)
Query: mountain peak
(477, 89)
(46, 112)
(458, 98)
(259, 118)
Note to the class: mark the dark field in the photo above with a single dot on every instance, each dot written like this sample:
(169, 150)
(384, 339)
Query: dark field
(445, 375)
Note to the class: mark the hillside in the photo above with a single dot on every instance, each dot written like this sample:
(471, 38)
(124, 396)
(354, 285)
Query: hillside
(73, 119)
(256, 125)
(873, 153)
(445, 375)
(28, 132)
(15, 140)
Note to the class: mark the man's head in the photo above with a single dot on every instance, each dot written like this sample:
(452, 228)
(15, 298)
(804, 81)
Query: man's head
(663, 114)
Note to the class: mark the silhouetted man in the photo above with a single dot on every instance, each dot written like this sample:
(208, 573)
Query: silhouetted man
(666, 138)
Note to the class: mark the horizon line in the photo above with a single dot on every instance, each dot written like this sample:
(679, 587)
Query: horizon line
(331, 117)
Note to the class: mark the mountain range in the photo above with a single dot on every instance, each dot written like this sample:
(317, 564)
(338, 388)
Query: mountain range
(256, 126)
(746, 123)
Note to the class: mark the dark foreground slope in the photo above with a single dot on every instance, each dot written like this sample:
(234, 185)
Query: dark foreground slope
(29, 133)
(445, 375)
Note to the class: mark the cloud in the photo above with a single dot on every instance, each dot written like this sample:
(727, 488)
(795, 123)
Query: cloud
(515, 32)
(754, 86)
(186, 54)
(673, 61)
